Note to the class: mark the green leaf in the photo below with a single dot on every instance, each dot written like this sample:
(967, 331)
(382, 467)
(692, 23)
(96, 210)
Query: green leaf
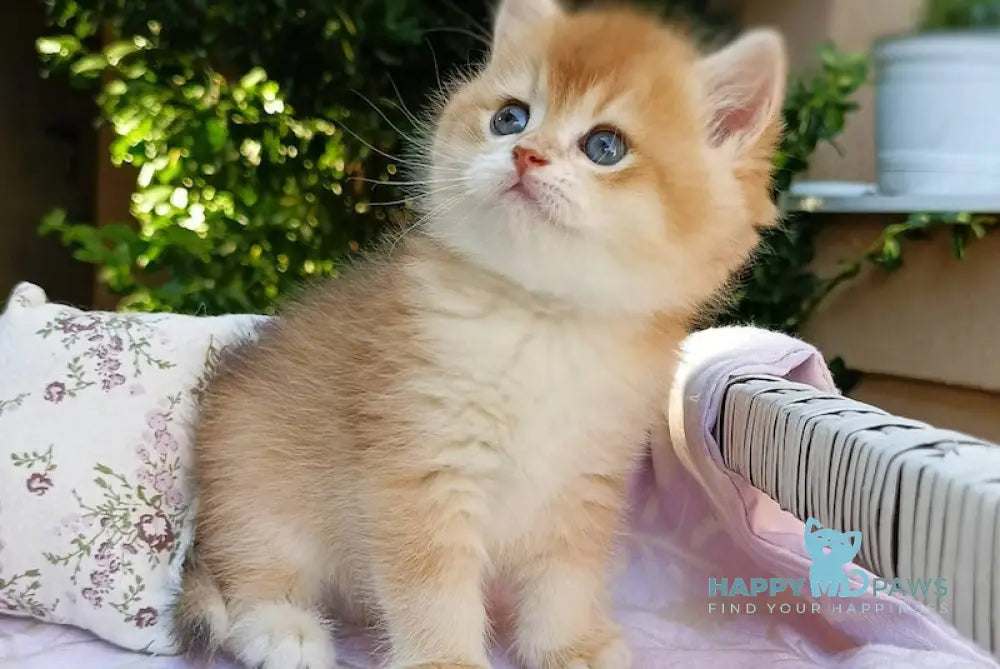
(91, 65)
(216, 133)
(918, 221)
(115, 51)
(891, 248)
(59, 45)
(252, 78)
(54, 221)
(959, 238)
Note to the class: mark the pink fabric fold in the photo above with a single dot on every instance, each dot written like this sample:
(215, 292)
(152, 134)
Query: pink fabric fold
(691, 520)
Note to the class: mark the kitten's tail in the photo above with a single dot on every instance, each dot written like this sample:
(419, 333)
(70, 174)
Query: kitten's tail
(201, 620)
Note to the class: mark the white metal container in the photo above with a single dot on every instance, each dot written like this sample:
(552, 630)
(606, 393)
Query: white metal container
(938, 114)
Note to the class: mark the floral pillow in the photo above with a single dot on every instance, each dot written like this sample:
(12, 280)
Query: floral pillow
(95, 415)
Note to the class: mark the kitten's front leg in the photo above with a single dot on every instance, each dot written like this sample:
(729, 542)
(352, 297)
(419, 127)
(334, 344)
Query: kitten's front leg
(428, 572)
(563, 614)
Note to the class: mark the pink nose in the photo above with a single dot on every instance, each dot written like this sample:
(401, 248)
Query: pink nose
(526, 159)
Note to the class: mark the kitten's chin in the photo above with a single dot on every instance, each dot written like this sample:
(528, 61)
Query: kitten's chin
(526, 210)
(519, 191)
(569, 268)
(520, 201)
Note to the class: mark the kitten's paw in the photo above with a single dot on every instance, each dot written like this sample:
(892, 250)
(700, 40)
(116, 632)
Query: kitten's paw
(448, 665)
(614, 653)
(440, 665)
(281, 636)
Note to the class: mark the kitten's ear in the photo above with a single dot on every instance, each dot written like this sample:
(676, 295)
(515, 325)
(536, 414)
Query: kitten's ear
(515, 17)
(745, 87)
(812, 525)
(854, 538)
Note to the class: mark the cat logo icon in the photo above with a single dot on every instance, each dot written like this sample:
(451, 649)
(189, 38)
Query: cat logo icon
(830, 551)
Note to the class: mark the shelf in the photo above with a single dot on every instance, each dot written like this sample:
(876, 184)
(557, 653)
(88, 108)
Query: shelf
(862, 198)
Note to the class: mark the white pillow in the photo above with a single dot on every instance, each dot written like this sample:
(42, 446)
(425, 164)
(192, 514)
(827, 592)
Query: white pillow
(95, 414)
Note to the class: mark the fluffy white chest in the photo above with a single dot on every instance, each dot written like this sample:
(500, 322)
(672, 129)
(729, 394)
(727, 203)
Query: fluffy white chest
(533, 400)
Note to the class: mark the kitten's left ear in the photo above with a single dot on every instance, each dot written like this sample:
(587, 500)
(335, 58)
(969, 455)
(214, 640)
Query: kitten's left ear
(515, 17)
(745, 89)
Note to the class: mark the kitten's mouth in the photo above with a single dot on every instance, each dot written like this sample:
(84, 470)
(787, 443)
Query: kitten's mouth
(520, 191)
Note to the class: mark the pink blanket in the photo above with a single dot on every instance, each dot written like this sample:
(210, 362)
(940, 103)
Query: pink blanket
(692, 521)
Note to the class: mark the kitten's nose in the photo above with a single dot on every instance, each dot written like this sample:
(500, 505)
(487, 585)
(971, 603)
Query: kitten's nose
(526, 159)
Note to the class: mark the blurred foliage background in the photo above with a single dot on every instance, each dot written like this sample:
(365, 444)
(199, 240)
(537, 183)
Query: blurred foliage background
(248, 125)
(257, 128)
(961, 15)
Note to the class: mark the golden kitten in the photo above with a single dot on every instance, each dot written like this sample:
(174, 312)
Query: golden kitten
(466, 409)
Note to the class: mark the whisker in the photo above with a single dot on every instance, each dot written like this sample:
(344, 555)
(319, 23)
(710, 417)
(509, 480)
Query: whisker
(437, 71)
(396, 159)
(478, 25)
(402, 105)
(410, 183)
(393, 203)
(420, 221)
(415, 197)
(368, 144)
(452, 150)
(420, 170)
(383, 115)
(461, 31)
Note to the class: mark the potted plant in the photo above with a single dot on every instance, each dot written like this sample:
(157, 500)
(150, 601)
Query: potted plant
(938, 102)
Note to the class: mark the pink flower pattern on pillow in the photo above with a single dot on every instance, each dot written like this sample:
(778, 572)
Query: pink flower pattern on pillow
(106, 347)
(107, 519)
(131, 519)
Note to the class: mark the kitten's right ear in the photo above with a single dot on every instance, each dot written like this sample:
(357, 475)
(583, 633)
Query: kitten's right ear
(812, 525)
(745, 88)
(515, 17)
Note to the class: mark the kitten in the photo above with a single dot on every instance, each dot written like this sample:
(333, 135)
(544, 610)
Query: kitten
(466, 409)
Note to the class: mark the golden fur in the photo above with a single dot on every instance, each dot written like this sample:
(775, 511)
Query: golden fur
(466, 409)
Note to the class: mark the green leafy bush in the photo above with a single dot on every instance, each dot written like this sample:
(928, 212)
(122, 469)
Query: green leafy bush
(249, 125)
(961, 14)
(778, 290)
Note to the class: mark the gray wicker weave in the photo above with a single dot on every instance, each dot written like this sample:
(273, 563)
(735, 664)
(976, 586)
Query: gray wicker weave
(926, 500)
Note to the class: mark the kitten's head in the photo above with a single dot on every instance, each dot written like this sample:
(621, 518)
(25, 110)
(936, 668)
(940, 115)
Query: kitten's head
(599, 158)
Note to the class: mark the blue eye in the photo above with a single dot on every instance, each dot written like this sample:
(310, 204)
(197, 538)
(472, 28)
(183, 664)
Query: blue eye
(605, 147)
(511, 119)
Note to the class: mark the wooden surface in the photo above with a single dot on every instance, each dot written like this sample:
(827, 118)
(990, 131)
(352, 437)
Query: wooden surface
(936, 319)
